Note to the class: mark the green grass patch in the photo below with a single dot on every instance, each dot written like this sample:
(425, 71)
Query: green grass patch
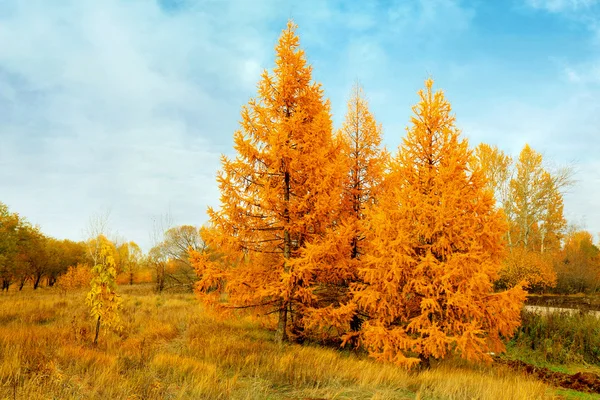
(557, 338)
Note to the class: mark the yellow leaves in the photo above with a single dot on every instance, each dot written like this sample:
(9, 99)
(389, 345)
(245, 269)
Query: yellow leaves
(522, 264)
(102, 299)
(531, 198)
(496, 168)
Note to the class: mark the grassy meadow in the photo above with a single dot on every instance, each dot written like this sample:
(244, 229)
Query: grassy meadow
(170, 348)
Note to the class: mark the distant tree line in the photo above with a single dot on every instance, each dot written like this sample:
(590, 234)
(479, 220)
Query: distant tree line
(29, 257)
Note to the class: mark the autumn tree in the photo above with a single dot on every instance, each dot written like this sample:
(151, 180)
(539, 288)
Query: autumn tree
(366, 160)
(535, 204)
(531, 195)
(9, 239)
(102, 298)
(435, 248)
(534, 208)
(34, 253)
(177, 243)
(169, 258)
(497, 168)
(72, 254)
(336, 255)
(276, 194)
(130, 256)
(26, 254)
(533, 267)
(578, 263)
(59, 256)
(157, 261)
(77, 277)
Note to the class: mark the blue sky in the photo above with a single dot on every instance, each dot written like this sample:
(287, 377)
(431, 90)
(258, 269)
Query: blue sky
(126, 105)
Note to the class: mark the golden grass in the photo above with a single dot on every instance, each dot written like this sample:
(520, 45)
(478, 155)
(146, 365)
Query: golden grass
(170, 349)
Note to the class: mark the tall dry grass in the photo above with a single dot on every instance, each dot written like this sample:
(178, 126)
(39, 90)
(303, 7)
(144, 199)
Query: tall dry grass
(170, 348)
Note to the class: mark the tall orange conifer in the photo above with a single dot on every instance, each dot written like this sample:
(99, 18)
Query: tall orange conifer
(335, 257)
(276, 195)
(435, 247)
(367, 162)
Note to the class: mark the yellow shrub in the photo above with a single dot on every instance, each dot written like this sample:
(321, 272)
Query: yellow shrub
(76, 278)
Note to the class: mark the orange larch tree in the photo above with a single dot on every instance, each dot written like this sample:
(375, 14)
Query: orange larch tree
(366, 163)
(336, 256)
(276, 194)
(435, 248)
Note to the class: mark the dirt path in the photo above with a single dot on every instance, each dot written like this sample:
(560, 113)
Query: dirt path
(581, 381)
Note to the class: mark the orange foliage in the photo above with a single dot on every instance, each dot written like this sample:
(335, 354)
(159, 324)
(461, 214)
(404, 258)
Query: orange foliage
(139, 276)
(276, 195)
(400, 255)
(533, 267)
(434, 250)
(76, 277)
(335, 256)
(578, 263)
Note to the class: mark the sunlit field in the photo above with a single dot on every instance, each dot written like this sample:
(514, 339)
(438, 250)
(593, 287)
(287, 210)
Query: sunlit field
(170, 348)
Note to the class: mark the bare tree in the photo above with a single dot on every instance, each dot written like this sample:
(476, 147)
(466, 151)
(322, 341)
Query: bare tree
(157, 258)
(97, 225)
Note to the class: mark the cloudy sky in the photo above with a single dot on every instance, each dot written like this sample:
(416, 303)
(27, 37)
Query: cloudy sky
(126, 105)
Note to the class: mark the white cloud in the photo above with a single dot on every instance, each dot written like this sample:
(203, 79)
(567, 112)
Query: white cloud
(122, 106)
(561, 5)
(584, 74)
(572, 75)
(584, 13)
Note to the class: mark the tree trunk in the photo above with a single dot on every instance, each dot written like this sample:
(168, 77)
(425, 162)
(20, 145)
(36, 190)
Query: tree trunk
(36, 281)
(130, 278)
(287, 250)
(425, 361)
(160, 278)
(97, 331)
(355, 323)
(282, 335)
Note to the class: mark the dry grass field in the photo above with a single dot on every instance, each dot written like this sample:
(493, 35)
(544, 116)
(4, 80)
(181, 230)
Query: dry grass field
(169, 348)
